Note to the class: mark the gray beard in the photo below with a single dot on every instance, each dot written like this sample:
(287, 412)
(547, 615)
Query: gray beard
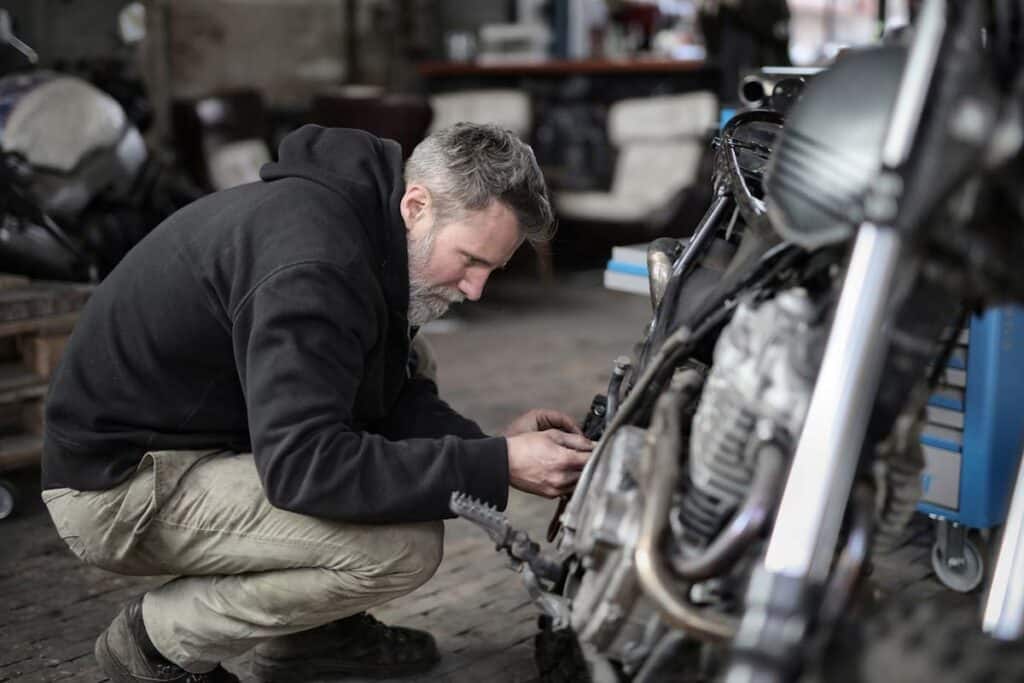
(426, 302)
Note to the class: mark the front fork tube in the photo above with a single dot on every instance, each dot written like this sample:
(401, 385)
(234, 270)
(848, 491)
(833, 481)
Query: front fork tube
(782, 595)
(1003, 616)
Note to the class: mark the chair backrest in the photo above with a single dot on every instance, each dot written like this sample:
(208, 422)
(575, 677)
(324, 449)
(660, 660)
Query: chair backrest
(505, 107)
(662, 117)
(660, 141)
(649, 174)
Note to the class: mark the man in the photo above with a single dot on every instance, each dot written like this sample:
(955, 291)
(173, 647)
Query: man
(235, 407)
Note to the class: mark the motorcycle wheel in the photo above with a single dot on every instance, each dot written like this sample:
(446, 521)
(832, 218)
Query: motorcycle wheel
(935, 640)
(558, 655)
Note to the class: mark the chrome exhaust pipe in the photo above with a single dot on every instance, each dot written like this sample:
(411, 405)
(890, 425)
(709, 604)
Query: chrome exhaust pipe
(655, 576)
(661, 254)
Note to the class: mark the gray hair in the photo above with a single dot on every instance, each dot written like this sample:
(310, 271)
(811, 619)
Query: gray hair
(467, 166)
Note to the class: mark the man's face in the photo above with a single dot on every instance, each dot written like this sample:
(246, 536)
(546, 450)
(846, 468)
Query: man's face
(451, 262)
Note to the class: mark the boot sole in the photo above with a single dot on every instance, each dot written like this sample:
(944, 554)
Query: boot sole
(268, 670)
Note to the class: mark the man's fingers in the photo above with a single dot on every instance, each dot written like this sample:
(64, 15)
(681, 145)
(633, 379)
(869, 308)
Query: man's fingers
(574, 460)
(555, 419)
(576, 442)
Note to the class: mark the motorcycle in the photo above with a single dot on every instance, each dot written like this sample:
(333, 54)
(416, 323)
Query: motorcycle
(78, 185)
(763, 443)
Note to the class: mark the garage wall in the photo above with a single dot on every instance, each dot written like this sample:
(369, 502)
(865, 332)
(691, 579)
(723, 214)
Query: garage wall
(54, 28)
(287, 49)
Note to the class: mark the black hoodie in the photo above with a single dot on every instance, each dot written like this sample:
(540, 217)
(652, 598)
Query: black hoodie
(272, 318)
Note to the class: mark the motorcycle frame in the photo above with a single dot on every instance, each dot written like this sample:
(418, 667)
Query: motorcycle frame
(1003, 614)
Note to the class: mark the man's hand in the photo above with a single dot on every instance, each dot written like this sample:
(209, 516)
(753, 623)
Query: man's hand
(540, 419)
(547, 463)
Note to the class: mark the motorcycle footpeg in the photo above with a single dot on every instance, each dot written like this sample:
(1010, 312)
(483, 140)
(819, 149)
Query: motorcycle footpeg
(515, 542)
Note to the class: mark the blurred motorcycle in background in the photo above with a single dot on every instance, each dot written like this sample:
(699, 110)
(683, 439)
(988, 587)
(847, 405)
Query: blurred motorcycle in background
(78, 186)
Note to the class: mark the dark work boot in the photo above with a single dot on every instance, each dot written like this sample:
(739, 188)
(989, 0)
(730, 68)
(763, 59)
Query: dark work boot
(126, 654)
(355, 646)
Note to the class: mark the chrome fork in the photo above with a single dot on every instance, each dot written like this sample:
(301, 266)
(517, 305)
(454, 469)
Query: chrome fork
(1003, 616)
(807, 526)
(780, 599)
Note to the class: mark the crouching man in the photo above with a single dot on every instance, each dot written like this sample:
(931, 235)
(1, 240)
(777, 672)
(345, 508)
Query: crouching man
(238, 407)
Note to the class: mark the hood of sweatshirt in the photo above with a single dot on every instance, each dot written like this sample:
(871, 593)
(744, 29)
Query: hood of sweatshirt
(366, 172)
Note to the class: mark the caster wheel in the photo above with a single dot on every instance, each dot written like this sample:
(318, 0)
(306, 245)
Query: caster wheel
(965, 578)
(8, 498)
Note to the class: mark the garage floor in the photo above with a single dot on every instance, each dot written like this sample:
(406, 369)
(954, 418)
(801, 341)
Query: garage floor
(526, 345)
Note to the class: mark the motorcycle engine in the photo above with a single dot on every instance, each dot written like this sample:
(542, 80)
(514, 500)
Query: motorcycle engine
(761, 380)
(761, 377)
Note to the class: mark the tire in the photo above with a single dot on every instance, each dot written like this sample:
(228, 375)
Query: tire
(558, 655)
(938, 640)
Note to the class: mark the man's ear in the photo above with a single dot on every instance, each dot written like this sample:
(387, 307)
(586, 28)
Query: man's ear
(415, 207)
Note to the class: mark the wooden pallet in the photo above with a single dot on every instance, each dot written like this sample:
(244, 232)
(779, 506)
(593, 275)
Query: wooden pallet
(36, 319)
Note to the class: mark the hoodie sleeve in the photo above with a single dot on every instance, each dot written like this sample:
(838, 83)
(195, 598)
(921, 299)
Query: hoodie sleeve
(421, 413)
(300, 338)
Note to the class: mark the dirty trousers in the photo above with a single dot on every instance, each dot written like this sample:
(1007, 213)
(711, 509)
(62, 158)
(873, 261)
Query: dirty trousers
(246, 571)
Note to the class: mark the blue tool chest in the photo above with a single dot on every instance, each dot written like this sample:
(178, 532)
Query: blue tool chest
(975, 423)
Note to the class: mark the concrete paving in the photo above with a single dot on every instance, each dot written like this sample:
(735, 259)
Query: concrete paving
(527, 344)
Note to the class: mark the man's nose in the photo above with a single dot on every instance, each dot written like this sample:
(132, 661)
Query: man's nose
(472, 285)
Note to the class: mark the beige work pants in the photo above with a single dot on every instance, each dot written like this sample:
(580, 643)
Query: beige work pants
(247, 571)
